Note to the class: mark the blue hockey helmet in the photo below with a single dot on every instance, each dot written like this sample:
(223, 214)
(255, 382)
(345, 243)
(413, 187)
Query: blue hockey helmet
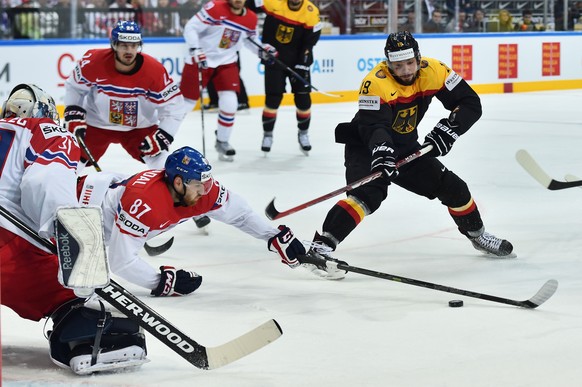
(28, 100)
(191, 165)
(126, 31)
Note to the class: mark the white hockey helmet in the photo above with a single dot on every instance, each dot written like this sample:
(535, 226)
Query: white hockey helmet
(29, 100)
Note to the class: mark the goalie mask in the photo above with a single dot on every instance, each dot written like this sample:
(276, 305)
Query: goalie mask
(402, 47)
(30, 101)
(192, 166)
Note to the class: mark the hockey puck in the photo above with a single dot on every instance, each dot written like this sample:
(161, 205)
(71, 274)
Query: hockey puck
(455, 303)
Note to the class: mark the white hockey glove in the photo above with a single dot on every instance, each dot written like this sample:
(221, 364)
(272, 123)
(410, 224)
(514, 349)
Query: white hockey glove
(268, 54)
(76, 120)
(153, 144)
(287, 246)
(199, 57)
(174, 282)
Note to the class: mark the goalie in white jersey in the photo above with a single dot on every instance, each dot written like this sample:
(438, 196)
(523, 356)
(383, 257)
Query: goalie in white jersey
(214, 36)
(38, 161)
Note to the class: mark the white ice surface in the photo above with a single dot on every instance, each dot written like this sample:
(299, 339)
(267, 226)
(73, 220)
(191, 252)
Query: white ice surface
(364, 331)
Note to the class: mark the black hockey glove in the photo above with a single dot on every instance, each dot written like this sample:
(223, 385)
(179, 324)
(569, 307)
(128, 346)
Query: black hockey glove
(287, 246)
(76, 120)
(154, 144)
(384, 160)
(302, 68)
(442, 137)
(175, 282)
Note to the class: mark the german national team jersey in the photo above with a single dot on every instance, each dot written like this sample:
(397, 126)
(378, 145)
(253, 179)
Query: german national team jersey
(220, 33)
(145, 97)
(390, 110)
(141, 207)
(290, 32)
(38, 162)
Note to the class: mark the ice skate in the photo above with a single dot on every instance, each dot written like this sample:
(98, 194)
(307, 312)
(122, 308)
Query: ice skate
(490, 244)
(267, 142)
(318, 260)
(225, 151)
(304, 144)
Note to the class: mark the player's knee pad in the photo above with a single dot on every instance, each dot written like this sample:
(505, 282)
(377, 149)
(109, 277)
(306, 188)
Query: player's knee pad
(303, 101)
(273, 101)
(89, 340)
(227, 101)
(453, 191)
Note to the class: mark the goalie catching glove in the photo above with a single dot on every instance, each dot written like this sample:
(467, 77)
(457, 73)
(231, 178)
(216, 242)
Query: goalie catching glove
(288, 247)
(154, 144)
(76, 120)
(174, 282)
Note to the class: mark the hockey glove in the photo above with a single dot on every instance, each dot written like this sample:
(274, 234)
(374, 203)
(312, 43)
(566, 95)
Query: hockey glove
(442, 137)
(199, 57)
(154, 144)
(76, 120)
(384, 160)
(287, 246)
(268, 54)
(176, 282)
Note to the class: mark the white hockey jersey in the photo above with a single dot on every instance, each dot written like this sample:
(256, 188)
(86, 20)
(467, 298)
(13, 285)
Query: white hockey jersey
(220, 33)
(38, 162)
(146, 97)
(141, 207)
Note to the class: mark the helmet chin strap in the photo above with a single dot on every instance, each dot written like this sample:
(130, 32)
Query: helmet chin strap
(181, 196)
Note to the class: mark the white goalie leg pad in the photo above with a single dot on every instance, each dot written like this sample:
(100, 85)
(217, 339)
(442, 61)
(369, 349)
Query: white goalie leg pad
(126, 358)
(83, 264)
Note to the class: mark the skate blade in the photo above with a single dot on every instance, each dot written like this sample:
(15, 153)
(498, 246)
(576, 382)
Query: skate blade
(222, 157)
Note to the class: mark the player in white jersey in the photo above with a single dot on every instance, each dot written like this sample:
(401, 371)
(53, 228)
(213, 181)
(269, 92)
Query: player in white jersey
(38, 161)
(121, 95)
(153, 201)
(213, 37)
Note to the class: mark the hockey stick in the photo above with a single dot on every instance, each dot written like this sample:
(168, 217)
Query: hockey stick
(532, 167)
(196, 354)
(151, 250)
(572, 178)
(292, 72)
(542, 295)
(81, 141)
(272, 213)
(157, 250)
(201, 89)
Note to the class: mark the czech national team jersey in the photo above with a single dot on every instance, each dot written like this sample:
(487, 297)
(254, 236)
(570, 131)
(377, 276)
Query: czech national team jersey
(38, 162)
(145, 97)
(141, 207)
(220, 33)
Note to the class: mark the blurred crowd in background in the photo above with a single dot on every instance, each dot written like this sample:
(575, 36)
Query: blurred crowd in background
(46, 19)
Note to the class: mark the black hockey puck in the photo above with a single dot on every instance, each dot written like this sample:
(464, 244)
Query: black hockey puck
(455, 303)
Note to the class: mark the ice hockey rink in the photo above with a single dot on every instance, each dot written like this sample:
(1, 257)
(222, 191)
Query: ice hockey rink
(364, 331)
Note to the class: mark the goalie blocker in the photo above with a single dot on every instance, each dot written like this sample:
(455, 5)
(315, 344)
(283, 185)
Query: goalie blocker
(83, 262)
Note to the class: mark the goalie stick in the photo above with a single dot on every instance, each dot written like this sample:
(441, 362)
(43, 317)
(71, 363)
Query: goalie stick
(272, 213)
(533, 168)
(542, 295)
(206, 358)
